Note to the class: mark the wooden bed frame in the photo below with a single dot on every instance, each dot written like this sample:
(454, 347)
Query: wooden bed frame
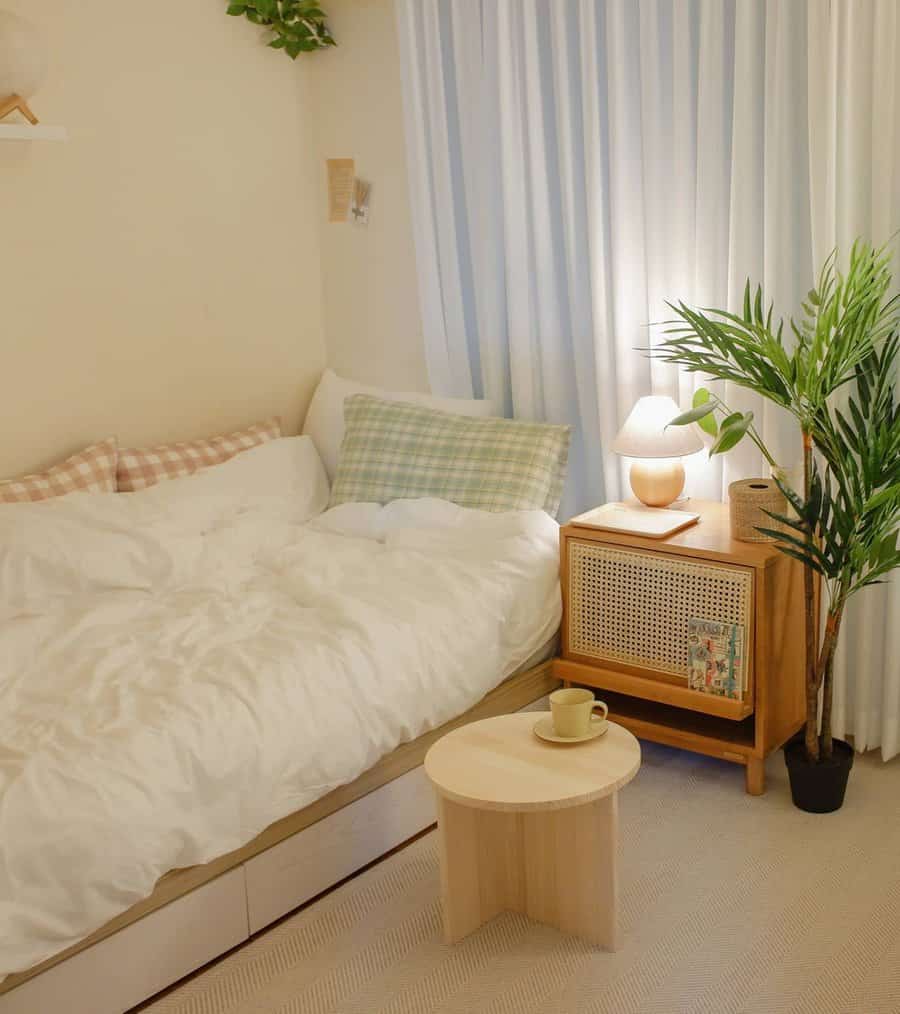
(196, 914)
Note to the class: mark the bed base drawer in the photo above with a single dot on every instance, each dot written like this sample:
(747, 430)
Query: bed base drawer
(143, 958)
(299, 868)
(110, 975)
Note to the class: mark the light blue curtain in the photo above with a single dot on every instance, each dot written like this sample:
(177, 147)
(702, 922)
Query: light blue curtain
(576, 164)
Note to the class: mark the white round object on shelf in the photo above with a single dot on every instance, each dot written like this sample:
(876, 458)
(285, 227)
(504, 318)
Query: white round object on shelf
(23, 56)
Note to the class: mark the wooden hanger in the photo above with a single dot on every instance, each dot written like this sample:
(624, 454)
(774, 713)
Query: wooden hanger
(14, 102)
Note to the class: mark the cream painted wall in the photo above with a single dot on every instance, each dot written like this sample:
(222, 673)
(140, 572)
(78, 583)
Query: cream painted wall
(160, 271)
(372, 321)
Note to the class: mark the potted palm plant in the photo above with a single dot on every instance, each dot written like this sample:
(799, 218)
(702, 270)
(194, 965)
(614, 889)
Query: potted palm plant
(837, 376)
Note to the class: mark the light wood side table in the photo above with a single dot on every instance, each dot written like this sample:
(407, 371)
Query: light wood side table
(530, 826)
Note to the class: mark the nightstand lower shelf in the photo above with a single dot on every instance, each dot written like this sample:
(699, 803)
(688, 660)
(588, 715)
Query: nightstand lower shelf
(690, 730)
(728, 740)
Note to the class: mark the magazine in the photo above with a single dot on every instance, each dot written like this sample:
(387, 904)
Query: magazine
(716, 657)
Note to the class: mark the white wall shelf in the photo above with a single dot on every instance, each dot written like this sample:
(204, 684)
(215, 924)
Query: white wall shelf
(27, 132)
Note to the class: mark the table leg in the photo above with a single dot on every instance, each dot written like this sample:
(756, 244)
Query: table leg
(480, 864)
(571, 877)
(556, 866)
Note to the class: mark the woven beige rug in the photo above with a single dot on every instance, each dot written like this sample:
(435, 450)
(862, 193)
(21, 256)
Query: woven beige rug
(728, 903)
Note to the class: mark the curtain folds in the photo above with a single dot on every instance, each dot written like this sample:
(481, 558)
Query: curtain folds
(574, 164)
(854, 138)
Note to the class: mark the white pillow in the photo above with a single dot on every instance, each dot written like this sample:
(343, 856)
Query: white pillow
(325, 418)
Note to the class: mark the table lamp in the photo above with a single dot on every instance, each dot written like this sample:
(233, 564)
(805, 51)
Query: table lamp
(657, 474)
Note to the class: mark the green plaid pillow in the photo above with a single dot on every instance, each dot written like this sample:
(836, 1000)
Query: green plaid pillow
(394, 450)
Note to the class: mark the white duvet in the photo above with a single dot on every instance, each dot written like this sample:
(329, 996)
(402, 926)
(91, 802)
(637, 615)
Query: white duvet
(181, 667)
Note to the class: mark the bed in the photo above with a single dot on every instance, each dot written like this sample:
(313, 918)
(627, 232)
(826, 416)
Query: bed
(215, 700)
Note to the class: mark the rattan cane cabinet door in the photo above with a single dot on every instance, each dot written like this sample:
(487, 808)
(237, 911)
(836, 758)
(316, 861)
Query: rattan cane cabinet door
(632, 607)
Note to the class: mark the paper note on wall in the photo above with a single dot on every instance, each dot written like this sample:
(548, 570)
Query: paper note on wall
(341, 174)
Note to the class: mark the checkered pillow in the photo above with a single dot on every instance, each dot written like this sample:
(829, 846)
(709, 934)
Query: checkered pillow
(140, 467)
(93, 470)
(394, 450)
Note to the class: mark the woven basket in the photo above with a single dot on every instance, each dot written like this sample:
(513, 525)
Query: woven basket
(747, 499)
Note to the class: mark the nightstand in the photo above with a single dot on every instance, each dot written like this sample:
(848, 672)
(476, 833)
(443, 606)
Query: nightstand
(626, 604)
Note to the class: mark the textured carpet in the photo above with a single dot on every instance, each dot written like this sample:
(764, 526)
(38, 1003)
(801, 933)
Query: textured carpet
(729, 903)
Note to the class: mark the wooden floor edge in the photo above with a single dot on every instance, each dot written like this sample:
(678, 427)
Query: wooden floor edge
(513, 693)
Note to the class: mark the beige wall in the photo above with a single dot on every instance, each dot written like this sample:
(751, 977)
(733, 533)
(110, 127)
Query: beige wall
(160, 271)
(372, 321)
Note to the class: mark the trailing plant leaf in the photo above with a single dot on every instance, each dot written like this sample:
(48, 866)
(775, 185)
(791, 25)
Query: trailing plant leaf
(705, 405)
(732, 431)
(297, 26)
(692, 415)
(707, 423)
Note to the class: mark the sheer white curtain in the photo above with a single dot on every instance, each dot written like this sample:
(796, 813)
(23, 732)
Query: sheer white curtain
(576, 163)
(854, 131)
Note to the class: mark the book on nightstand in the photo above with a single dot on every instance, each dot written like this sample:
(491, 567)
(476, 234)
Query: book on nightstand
(716, 657)
(635, 519)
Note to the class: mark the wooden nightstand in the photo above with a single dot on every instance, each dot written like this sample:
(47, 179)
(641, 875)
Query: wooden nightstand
(626, 602)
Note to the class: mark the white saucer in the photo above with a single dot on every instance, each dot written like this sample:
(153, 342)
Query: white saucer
(543, 729)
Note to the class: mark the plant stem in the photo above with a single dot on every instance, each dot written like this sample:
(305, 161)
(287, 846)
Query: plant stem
(753, 433)
(826, 675)
(757, 439)
(809, 594)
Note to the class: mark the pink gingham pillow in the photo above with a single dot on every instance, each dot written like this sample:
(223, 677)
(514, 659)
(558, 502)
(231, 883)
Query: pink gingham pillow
(93, 470)
(140, 467)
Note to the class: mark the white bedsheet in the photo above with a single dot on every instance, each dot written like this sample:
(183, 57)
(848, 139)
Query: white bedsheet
(178, 672)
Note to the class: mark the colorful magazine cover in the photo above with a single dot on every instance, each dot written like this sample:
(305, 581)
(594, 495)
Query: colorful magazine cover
(716, 657)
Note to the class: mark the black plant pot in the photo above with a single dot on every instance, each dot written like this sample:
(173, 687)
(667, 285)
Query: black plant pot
(818, 787)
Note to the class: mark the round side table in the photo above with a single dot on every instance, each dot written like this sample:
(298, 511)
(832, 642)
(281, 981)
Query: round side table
(530, 826)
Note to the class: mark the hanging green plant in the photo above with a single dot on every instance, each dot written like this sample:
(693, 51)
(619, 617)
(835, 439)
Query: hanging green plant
(298, 26)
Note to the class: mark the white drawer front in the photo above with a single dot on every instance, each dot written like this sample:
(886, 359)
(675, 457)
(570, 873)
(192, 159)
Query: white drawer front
(295, 870)
(115, 974)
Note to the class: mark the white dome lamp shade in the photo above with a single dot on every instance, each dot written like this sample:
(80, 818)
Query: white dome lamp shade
(657, 474)
(23, 64)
